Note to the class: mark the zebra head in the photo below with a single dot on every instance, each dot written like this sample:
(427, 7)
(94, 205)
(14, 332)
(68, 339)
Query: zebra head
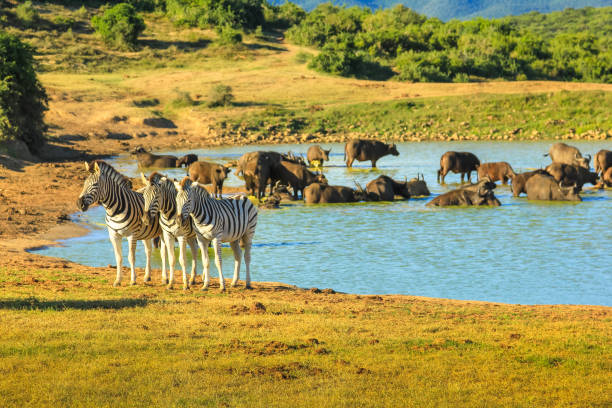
(91, 187)
(184, 205)
(152, 197)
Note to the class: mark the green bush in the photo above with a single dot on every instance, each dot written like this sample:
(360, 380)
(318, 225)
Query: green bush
(27, 14)
(220, 95)
(119, 26)
(244, 14)
(229, 35)
(23, 100)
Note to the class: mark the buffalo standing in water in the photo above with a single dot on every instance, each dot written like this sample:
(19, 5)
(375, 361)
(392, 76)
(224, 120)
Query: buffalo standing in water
(363, 150)
(496, 171)
(458, 162)
(316, 153)
(519, 181)
(480, 193)
(384, 188)
(543, 187)
(603, 160)
(562, 153)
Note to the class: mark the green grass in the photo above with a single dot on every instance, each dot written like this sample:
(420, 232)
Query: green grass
(70, 340)
(474, 117)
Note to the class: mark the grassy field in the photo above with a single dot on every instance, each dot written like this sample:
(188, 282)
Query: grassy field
(70, 339)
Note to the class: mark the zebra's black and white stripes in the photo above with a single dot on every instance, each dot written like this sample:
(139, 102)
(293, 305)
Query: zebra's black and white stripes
(124, 209)
(230, 220)
(160, 198)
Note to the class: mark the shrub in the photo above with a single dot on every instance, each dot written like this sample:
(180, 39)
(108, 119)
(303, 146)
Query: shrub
(27, 14)
(220, 95)
(229, 35)
(119, 26)
(23, 100)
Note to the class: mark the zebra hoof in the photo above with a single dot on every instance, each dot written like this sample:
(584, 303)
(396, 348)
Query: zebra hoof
(169, 287)
(147, 279)
(248, 286)
(185, 287)
(133, 283)
(192, 281)
(204, 287)
(117, 284)
(222, 289)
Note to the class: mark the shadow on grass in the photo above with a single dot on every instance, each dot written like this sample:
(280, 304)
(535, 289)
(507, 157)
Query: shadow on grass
(181, 45)
(35, 304)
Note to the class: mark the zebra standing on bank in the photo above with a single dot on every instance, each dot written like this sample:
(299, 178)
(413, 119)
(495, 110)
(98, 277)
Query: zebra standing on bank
(124, 209)
(230, 220)
(160, 198)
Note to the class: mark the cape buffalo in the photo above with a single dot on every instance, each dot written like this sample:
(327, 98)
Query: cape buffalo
(318, 193)
(384, 188)
(496, 171)
(518, 182)
(146, 159)
(363, 150)
(186, 160)
(603, 160)
(562, 153)
(480, 193)
(297, 176)
(209, 173)
(418, 187)
(260, 169)
(458, 162)
(543, 187)
(569, 175)
(316, 153)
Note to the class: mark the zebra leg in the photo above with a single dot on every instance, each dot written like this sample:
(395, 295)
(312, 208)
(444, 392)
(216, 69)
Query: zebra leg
(193, 244)
(132, 258)
(203, 244)
(148, 247)
(163, 255)
(237, 259)
(247, 261)
(182, 247)
(217, 247)
(169, 238)
(115, 239)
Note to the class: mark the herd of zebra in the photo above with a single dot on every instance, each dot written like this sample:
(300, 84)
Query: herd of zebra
(164, 208)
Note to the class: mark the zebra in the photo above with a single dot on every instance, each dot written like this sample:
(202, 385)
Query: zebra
(230, 220)
(160, 197)
(124, 209)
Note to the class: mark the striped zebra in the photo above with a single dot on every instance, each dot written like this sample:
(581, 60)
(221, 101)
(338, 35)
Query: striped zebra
(230, 220)
(160, 198)
(124, 210)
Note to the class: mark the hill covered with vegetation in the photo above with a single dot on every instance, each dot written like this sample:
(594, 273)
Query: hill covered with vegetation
(465, 9)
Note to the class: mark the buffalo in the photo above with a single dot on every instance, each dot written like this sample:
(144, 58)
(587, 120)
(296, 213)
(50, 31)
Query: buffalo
(496, 171)
(418, 187)
(316, 153)
(477, 194)
(543, 187)
(562, 153)
(603, 160)
(146, 159)
(384, 188)
(209, 173)
(260, 169)
(569, 175)
(519, 181)
(363, 150)
(297, 176)
(186, 160)
(458, 162)
(318, 193)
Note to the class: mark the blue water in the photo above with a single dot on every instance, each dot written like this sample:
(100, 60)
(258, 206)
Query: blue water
(522, 252)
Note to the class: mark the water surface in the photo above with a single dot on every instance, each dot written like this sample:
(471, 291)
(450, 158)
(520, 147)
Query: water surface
(522, 252)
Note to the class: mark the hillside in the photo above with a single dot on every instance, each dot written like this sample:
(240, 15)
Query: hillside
(464, 9)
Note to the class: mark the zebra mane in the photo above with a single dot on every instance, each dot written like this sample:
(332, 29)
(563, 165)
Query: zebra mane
(200, 189)
(155, 177)
(186, 183)
(113, 174)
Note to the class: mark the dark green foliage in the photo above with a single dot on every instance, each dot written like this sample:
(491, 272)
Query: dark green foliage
(245, 14)
(23, 100)
(220, 95)
(27, 14)
(119, 26)
(229, 35)
(353, 40)
(284, 16)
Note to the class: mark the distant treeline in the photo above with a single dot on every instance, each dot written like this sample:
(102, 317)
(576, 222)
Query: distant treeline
(399, 43)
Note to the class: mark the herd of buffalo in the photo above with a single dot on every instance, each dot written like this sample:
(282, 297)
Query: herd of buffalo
(287, 176)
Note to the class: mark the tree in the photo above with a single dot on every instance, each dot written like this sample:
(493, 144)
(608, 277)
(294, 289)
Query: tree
(23, 100)
(119, 26)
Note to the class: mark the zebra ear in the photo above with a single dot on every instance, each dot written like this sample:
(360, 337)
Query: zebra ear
(178, 186)
(96, 167)
(87, 166)
(144, 179)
